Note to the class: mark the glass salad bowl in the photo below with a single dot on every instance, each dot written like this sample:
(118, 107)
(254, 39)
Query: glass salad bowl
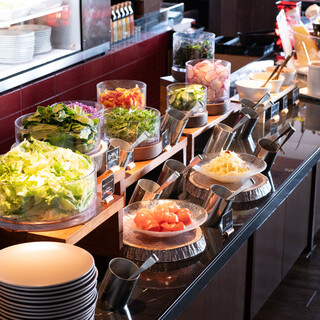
(62, 126)
(43, 187)
(129, 124)
(122, 94)
(184, 96)
(253, 166)
(199, 216)
(192, 45)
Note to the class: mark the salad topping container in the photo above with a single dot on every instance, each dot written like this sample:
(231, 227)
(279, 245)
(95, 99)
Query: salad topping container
(190, 46)
(184, 97)
(129, 124)
(61, 125)
(122, 93)
(43, 187)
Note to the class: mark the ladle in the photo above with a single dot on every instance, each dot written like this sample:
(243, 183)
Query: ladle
(244, 119)
(144, 135)
(271, 75)
(263, 99)
(245, 186)
(192, 111)
(194, 161)
(173, 177)
(146, 265)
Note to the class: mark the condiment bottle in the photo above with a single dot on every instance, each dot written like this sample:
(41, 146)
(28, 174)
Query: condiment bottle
(114, 24)
(111, 27)
(119, 24)
(131, 18)
(123, 20)
(127, 18)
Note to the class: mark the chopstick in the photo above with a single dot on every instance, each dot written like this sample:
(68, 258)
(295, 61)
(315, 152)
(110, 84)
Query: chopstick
(271, 75)
(284, 64)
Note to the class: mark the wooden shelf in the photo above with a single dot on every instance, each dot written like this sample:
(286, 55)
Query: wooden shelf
(143, 167)
(118, 180)
(75, 234)
(192, 133)
(102, 235)
(70, 235)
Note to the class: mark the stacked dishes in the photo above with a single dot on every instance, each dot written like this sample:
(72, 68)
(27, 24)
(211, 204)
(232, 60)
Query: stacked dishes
(42, 36)
(47, 280)
(16, 46)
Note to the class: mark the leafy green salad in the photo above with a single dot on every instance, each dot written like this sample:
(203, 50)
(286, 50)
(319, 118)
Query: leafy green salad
(129, 124)
(41, 182)
(62, 126)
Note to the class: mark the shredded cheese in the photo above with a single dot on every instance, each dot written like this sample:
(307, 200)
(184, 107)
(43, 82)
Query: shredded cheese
(227, 163)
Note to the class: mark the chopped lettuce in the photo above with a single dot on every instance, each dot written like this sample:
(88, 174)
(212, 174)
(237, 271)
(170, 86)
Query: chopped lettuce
(40, 182)
(129, 124)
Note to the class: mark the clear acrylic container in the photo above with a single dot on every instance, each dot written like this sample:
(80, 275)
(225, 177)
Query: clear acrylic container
(190, 46)
(184, 96)
(122, 93)
(57, 135)
(214, 74)
(47, 206)
(129, 124)
(303, 42)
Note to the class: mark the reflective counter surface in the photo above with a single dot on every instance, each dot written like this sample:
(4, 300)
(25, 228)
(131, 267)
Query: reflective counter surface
(165, 290)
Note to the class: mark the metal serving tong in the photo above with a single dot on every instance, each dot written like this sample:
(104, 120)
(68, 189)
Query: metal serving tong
(289, 132)
(245, 116)
(175, 175)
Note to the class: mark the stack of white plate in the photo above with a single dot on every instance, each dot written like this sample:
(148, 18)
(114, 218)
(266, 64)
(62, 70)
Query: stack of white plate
(42, 36)
(47, 280)
(16, 46)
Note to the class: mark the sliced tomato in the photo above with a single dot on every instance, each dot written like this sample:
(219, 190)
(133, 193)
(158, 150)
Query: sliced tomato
(179, 226)
(171, 206)
(166, 216)
(185, 216)
(142, 215)
(151, 225)
(165, 226)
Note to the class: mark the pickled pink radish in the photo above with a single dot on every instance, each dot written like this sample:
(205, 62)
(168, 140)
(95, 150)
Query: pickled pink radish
(213, 74)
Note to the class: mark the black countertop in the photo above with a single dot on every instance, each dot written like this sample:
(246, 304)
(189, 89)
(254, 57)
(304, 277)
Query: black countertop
(165, 290)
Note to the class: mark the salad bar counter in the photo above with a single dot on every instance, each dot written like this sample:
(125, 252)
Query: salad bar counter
(198, 189)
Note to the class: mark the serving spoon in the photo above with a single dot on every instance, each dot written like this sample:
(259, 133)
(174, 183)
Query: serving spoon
(146, 265)
(144, 135)
(175, 175)
(245, 186)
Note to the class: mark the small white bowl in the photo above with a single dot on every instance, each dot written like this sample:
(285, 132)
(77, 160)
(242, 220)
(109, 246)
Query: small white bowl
(275, 84)
(251, 89)
(288, 75)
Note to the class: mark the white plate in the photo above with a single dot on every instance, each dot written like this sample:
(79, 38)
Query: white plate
(44, 264)
(303, 92)
(41, 297)
(52, 290)
(52, 313)
(38, 28)
(254, 164)
(129, 212)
